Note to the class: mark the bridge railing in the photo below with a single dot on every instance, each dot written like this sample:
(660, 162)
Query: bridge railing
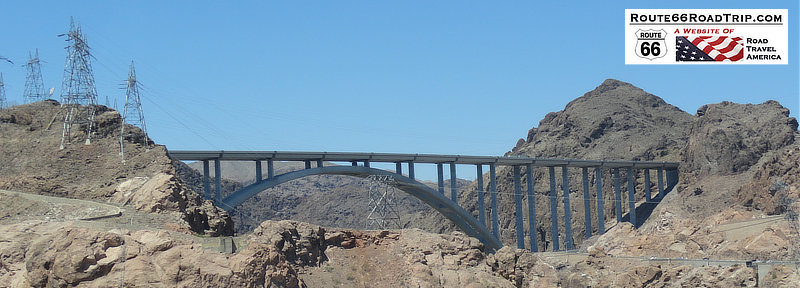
(666, 179)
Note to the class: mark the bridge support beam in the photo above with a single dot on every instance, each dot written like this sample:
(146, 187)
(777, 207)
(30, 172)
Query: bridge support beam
(453, 182)
(206, 178)
(258, 171)
(660, 175)
(531, 210)
(553, 208)
(493, 191)
(617, 196)
(518, 209)
(440, 173)
(587, 211)
(217, 180)
(411, 170)
(567, 209)
(631, 196)
(481, 201)
(647, 195)
(601, 221)
(270, 169)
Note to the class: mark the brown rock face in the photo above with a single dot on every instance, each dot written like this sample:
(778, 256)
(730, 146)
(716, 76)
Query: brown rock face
(776, 183)
(32, 162)
(728, 138)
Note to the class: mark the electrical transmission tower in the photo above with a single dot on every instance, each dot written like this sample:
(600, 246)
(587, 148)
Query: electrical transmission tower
(78, 93)
(383, 209)
(34, 85)
(132, 112)
(3, 102)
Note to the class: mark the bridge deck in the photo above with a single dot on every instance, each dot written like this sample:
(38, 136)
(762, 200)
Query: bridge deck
(415, 158)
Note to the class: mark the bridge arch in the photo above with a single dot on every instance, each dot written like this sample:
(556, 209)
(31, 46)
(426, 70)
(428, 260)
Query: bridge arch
(463, 219)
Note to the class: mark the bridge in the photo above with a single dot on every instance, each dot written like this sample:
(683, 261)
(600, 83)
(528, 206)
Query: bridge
(489, 235)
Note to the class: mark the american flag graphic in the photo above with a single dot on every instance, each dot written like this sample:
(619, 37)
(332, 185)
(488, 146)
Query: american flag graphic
(708, 48)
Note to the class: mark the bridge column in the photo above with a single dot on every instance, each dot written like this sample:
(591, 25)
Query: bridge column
(366, 163)
(553, 208)
(319, 163)
(453, 189)
(258, 171)
(411, 170)
(631, 197)
(587, 211)
(601, 221)
(617, 196)
(660, 175)
(398, 168)
(481, 208)
(493, 191)
(308, 164)
(217, 181)
(567, 209)
(518, 209)
(531, 210)
(206, 177)
(440, 171)
(353, 163)
(270, 169)
(647, 196)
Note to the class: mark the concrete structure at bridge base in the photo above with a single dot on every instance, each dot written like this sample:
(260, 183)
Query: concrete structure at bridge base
(449, 207)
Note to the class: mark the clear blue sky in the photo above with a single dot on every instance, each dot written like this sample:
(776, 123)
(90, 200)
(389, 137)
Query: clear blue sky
(373, 76)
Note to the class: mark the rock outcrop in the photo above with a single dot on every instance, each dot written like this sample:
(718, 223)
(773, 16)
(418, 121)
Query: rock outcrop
(32, 162)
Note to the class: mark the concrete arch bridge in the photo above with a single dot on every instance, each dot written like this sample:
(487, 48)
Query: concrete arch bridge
(486, 231)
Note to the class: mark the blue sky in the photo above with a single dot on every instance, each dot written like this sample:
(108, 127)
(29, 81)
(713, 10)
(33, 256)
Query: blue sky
(372, 76)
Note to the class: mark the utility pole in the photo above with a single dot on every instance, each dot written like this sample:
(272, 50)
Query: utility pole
(132, 113)
(34, 85)
(78, 92)
(3, 102)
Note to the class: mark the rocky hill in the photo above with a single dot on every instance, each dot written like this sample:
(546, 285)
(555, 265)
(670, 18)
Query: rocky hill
(32, 162)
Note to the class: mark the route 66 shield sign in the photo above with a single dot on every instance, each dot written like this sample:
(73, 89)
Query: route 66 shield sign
(651, 44)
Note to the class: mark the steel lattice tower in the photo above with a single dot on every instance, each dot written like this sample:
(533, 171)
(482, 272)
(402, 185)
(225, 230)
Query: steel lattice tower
(383, 211)
(78, 93)
(34, 85)
(3, 102)
(132, 112)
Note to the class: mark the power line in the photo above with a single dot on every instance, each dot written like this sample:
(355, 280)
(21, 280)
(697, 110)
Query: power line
(78, 92)
(34, 85)
(132, 113)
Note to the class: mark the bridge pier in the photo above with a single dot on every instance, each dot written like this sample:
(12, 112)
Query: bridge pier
(398, 168)
(320, 163)
(493, 191)
(587, 216)
(481, 201)
(567, 209)
(660, 175)
(553, 208)
(411, 170)
(440, 173)
(453, 182)
(647, 196)
(206, 178)
(270, 169)
(518, 209)
(308, 164)
(531, 210)
(617, 196)
(258, 171)
(217, 180)
(631, 196)
(601, 221)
